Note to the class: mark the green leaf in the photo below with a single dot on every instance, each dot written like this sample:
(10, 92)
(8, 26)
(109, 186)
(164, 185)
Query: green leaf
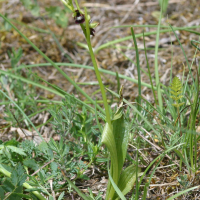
(54, 166)
(115, 187)
(15, 56)
(109, 140)
(31, 163)
(121, 134)
(11, 143)
(19, 189)
(1, 193)
(43, 146)
(78, 190)
(176, 87)
(34, 189)
(13, 196)
(42, 176)
(179, 154)
(115, 137)
(20, 195)
(51, 198)
(8, 186)
(61, 196)
(16, 150)
(128, 178)
(26, 185)
(18, 176)
(53, 145)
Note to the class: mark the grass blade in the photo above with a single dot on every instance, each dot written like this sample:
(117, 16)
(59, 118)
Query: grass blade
(182, 192)
(156, 64)
(138, 69)
(25, 116)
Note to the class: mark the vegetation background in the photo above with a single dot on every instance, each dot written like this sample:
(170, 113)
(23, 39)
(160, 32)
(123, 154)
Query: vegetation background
(60, 113)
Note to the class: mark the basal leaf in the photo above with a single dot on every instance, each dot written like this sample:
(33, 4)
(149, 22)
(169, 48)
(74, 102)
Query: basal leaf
(109, 140)
(115, 137)
(128, 178)
(119, 193)
(120, 131)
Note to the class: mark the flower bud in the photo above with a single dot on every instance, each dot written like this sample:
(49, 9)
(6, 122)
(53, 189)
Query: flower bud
(94, 24)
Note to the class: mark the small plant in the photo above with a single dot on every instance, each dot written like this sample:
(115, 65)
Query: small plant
(12, 187)
(55, 12)
(183, 180)
(24, 93)
(176, 90)
(176, 87)
(189, 138)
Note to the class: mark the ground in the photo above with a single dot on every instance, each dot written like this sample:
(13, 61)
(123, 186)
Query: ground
(180, 13)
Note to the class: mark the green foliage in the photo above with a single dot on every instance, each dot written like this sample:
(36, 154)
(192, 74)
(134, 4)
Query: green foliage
(68, 118)
(54, 12)
(98, 197)
(58, 14)
(71, 122)
(24, 93)
(183, 180)
(57, 154)
(15, 56)
(8, 152)
(80, 139)
(32, 6)
(176, 87)
(12, 187)
(115, 137)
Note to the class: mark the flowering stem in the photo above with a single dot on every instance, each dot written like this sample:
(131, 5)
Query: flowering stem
(77, 4)
(87, 31)
(87, 35)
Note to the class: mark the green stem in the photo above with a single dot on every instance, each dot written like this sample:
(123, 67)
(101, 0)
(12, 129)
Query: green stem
(77, 5)
(96, 69)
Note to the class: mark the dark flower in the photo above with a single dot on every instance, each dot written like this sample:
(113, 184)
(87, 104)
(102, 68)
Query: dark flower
(92, 31)
(79, 17)
(93, 25)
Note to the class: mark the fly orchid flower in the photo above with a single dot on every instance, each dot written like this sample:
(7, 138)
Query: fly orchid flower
(79, 17)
